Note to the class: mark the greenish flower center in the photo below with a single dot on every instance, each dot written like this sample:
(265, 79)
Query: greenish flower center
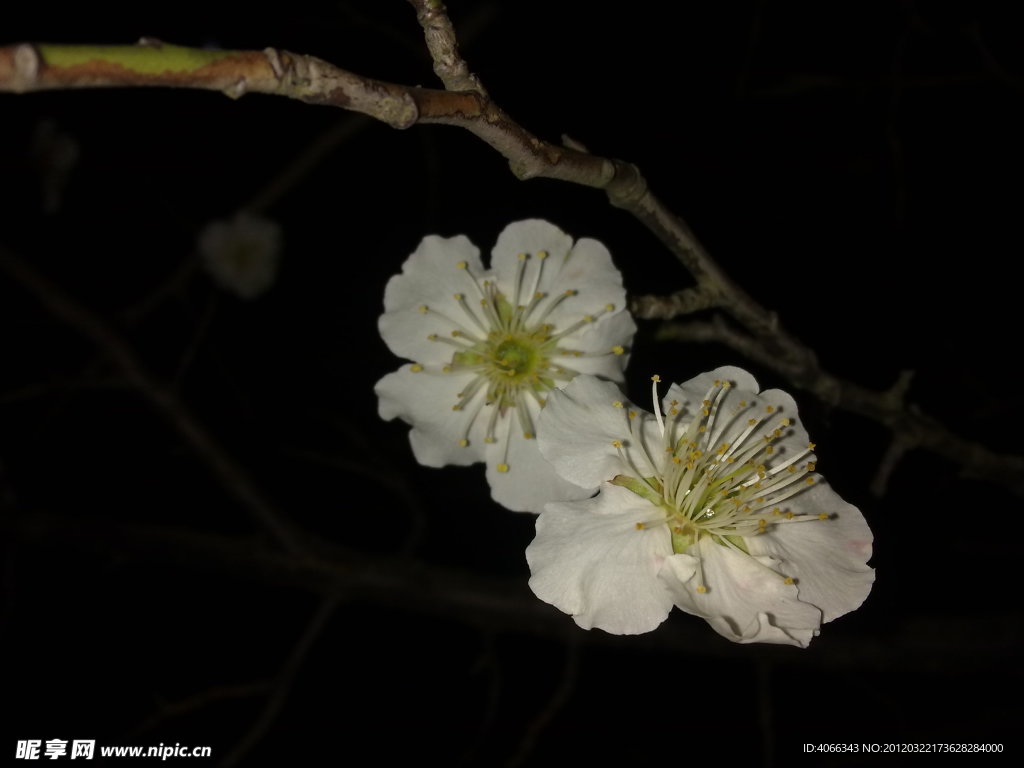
(724, 487)
(516, 356)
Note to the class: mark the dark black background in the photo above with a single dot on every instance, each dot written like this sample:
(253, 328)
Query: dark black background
(853, 165)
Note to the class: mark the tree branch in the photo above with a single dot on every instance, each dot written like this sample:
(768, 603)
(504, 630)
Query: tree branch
(27, 67)
(414, 586)
(232, 476)
(908, 425)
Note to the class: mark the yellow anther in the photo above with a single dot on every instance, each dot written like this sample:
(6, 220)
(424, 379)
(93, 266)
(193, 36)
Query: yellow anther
(726, 384)
(456, 407)
(810, 466)
(632, 414)
(809, 481)
(502, 467)
(811, 446)
(616, 443)
(770, 449)
(571, 292)
(456, 334)
(788, 580)
(673, 411)
(785, 422)
(790, 515)
(702, 428)
(674, 403)
(424, 309)
(718, 382)
(770, 409)
(588, 318)
(446, 369)
(538, 295)
(707, 403)
(462, 265)
(791, 469)
(751, 422)
(823, 516)
(640, 526)
(776, 511)
(743, 403)
(676, 460)
(415, 367)
(762, 524)
(618, 350)
(432, 337)
(483, 302)
(705, 411)
(542, 254)
(463, 442)
(521, 257)
(490, 440)
(528, 435)
(609, 307)
(656, 378)
(702, 589)
(458, 296)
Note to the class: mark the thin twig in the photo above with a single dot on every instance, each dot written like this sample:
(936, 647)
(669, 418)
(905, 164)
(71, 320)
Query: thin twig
(888, 408)
(232, 476)
(444, 48)
(285, 679)
(413, 586)
(556, 702)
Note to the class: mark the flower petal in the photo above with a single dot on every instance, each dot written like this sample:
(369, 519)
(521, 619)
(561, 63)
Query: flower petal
(585, 268)
(590, 560)
(827, 558)
(746, 600)
(424, 399)
(596, 341)
(577, 427)
(531, 481)
(430, 278)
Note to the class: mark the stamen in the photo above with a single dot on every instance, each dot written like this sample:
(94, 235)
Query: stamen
(655, 380)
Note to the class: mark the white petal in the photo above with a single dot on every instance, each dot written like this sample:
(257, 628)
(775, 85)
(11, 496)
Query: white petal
(530, 237)
(425, 400)
(691, 392)
(585, 268)
(590, 560)
(577, 427)
(827, 558)
(430, 278)
(531, 481)
(596, 340)
(746, 600)
(740, 403)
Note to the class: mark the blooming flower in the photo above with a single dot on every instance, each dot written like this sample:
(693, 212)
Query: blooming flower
(712, 504)
(242, 254)
(489, 345)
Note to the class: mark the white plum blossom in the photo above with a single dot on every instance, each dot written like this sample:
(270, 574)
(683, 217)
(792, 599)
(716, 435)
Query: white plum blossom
(712, 504)
(241, 254)
(488, 345)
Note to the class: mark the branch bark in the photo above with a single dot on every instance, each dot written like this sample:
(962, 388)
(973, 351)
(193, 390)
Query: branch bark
(26, 67)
